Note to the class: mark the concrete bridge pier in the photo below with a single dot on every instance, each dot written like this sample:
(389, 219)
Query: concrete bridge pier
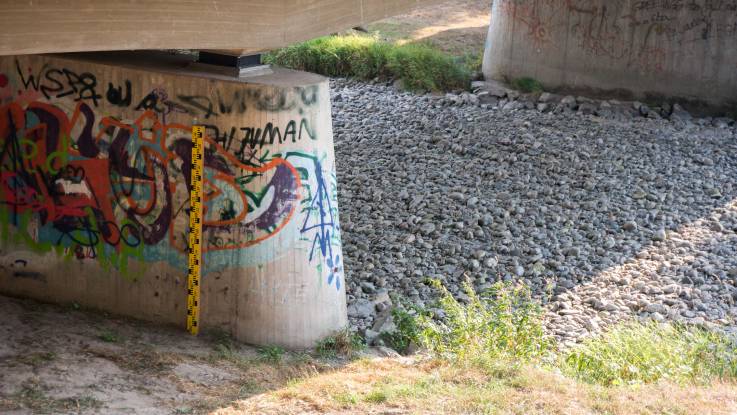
(94, 192)
(686, 50)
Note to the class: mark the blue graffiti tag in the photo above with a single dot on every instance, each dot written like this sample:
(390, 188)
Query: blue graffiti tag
(320, 218)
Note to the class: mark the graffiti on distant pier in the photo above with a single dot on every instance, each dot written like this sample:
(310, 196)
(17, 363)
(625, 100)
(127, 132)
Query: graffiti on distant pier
(631, 30)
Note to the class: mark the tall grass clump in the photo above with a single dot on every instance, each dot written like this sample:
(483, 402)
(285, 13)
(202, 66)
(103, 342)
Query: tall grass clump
(500, 325)
(421, 67)
(636, 353)
(362, 57)
(417, 66)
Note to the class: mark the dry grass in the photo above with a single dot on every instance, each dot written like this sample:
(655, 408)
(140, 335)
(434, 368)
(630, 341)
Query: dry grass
(141, 360)
(427, 387)
(254, 381)
(254, 375)
(33, 397)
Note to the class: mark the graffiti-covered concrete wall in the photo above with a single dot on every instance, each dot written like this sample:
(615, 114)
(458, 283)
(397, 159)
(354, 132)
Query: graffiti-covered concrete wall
(94, 189)
(674, 48)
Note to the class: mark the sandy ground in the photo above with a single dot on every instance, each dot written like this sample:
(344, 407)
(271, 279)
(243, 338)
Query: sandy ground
(458, 27)
(61, 360)
(56, 359)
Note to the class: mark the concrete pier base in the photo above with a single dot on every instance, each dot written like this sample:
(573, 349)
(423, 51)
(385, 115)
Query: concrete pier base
(94, 192)
(627, 48)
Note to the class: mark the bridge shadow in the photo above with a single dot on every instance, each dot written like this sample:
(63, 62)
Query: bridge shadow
(613, 269)
(62, 359)
(690, 277)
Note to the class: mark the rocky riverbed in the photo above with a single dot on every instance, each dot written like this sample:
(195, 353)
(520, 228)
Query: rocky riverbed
(607, 210)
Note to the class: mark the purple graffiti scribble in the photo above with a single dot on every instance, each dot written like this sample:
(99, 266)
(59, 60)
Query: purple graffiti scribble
(284, 198)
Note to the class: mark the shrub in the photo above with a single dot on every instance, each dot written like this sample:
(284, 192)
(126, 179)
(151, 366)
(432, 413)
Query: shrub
(501, 324)
(343, 342)
(648, 352)
(406, 329)
(271, 354)
(527, 85)
(472, 61)
(418, 66)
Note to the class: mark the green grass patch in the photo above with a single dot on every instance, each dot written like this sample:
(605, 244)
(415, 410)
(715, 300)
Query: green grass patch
(360, 56)
(634, 353)
(423, 68)
(376, 396)
(345, 399)
(110, 336)
(418, 66)
(527, 85)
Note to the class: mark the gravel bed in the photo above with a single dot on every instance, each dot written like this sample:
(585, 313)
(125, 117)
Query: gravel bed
(606, 210)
